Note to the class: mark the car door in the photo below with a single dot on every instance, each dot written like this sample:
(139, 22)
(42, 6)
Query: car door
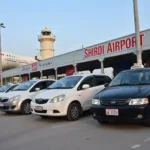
(85, 95)
(98, 85)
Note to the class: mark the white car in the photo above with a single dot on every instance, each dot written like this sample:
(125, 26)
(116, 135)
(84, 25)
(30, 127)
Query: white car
(18, 100)
(7, 88)
(69, 96)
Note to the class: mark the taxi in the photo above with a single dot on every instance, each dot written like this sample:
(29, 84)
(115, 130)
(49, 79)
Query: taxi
(126, 98)
(69, 96)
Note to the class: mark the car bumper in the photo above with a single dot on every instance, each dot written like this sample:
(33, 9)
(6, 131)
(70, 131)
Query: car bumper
(126, 113)
(51, 109)
(9, 107)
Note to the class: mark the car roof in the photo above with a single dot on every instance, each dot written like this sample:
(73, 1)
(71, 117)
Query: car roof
(90, 74)
(138, 69)
(42, 80)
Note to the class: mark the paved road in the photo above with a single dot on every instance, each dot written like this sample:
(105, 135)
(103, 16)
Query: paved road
(33, 133)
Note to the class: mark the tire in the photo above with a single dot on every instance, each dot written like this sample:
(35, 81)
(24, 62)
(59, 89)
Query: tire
(25, 108)
(101, 121)
(44, 117)
(74, 111)
(147, 123)
(8, 113)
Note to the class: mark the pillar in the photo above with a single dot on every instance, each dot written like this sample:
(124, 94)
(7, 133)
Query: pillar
(102, 65)
(41, 76)
(75, 68)
(56, 73)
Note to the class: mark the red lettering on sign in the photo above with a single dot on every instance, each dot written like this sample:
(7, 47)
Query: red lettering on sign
(119, 45)
(109, 48)
(95, 51)
(86, 53)
(141, 39)
(133, 42)
(128, 43)
(122, 43)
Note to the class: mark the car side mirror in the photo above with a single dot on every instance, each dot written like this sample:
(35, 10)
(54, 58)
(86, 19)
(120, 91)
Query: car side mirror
(106, 84)
(37, 89)
(85, 86)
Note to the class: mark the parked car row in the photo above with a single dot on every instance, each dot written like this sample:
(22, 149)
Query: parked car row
(69, 96)
(126, 97)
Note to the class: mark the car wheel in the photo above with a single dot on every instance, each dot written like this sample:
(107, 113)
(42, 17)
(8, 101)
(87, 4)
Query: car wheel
(44, 117)
(8, 113)
(25, 108)
(147, 123)
(101, 121)
(74, 111)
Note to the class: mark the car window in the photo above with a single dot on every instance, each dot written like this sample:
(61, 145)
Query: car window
(137, 77)
(11, 88)
(4, 88)
(88, 80)
(41, 85)
(48, 83)
(68, 82)
(107, 79)
(25, 85)
(99, 80)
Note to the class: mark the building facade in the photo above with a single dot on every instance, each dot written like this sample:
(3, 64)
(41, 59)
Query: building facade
(119, 53)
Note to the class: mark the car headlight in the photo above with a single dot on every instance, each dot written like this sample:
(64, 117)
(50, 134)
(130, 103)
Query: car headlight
(57, 99)
(15, 98)
(96, 102)
(139, 101)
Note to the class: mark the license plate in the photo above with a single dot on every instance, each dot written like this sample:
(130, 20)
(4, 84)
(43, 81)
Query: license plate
(1, 104)
(112, 112)
(40, 108)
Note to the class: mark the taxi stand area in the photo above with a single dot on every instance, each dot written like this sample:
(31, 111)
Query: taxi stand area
(120, 54)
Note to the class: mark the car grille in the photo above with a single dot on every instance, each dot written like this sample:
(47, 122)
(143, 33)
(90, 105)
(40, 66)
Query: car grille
(42, 111)
(41, 101)
(4, 100)
(113, 102)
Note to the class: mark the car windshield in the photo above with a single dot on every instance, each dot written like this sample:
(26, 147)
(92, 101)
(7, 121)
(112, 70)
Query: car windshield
(136, 77)
(65, 83)
(24, 86)
(4, 88)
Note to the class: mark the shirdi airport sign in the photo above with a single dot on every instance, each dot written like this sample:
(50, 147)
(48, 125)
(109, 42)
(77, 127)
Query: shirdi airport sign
(114, 46)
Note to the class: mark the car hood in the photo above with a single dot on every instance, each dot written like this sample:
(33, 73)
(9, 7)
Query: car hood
(51, 93)
(124, 92)
(14, 93)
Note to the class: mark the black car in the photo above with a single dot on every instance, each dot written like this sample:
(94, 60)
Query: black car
(126, 98)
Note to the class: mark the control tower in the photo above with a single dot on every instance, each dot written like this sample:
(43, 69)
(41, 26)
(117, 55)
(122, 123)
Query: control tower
(46, 40)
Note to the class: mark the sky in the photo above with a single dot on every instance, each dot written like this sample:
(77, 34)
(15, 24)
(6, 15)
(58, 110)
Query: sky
(74, 22)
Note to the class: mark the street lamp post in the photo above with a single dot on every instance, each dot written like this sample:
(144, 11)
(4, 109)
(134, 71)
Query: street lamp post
(137, 31)
(1, 78)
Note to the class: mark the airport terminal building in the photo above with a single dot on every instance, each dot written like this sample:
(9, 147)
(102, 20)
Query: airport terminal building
(120, 54)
